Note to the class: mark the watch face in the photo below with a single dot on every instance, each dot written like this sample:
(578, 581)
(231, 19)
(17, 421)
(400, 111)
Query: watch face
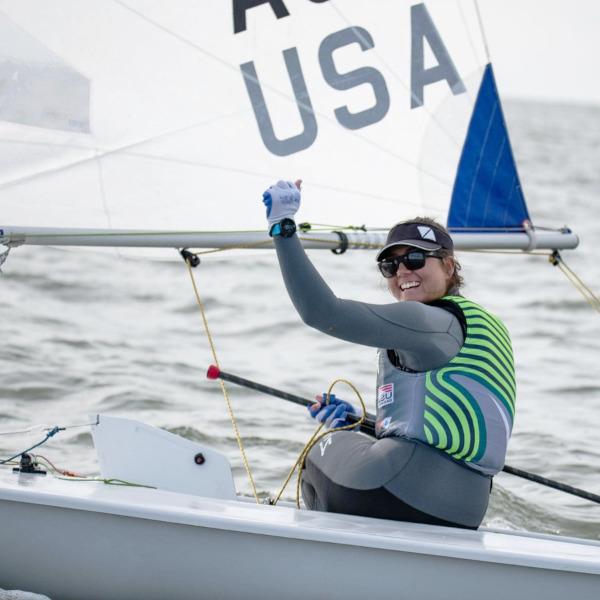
(288, 228)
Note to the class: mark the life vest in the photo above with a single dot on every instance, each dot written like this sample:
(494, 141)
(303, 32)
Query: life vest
(465, 407)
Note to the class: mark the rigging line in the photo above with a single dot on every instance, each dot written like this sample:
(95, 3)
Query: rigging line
(313, 184)
(557, 260)
(395, 75)
(125, 151)
(259, 174)
(37, 458)
(46, 427)
(137, 233)
(317, 437)
(67, 475)
(28, 430)
(256, 245)
(213, 350)
(483, 36)
(507, 251)
(278, 92)
(3, 257)
(103, 154)
(250, 246)
(104, 199)
(576, 277)
(586, 293)
(336, 243)
(141, 142)
(469, 36)
(50, 434)
(498, 229)
(298, 465)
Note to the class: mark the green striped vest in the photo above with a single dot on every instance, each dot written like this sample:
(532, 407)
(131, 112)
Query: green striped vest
(466, 407)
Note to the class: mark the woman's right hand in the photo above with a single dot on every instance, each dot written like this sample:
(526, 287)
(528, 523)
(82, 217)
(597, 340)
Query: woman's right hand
(334, 413)
(282, 200)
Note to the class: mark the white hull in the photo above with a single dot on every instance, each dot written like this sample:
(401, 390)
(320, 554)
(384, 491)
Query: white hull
(75, 554)
(90, 540)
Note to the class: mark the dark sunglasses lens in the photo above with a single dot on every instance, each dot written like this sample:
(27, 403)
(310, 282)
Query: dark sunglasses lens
(388, 268)
(414, 260)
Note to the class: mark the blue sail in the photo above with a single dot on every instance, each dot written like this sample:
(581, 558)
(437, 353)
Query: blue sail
(487, 192)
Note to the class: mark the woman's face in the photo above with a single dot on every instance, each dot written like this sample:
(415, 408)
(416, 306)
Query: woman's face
(423, 285)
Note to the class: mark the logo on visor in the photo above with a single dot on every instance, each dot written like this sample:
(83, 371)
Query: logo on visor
(426, 233)
(385, 395)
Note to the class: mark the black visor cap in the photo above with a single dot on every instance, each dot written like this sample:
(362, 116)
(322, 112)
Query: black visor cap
(418, 235)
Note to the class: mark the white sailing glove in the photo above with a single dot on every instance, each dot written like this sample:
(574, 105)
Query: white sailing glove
(282, 201)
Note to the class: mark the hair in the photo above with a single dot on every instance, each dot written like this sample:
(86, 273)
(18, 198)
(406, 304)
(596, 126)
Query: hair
(457, 280)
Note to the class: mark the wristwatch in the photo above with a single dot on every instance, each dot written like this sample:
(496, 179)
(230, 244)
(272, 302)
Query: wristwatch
(285, 228)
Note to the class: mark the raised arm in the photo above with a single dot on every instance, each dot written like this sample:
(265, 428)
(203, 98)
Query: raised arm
(424, 336)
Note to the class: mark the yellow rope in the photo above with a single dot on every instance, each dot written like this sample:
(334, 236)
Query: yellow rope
(69, 476)
(236, 431)
(295, 466)
(333, 243)
(336, 243)
(316, 437)
(235, 247)
(557, 260)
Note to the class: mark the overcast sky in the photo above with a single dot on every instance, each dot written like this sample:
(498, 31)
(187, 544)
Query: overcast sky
(545, 49)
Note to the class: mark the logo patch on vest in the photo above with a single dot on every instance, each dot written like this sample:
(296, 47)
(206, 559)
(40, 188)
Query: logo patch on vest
(385, 395)
(326, 441)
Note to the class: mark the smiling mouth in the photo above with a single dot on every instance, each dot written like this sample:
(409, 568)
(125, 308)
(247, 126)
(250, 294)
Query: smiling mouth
(409, 284)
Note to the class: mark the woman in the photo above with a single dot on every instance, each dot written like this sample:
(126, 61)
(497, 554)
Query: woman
(445, 383)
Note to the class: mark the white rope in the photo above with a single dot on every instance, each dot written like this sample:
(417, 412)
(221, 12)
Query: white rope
(28, 430)
(45, 427)
(483, 36)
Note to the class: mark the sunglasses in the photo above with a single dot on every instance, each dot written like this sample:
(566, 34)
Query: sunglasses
(413, 261)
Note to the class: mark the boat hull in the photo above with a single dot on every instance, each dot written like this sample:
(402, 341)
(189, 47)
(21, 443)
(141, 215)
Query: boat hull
(181, 532)
(68, 553)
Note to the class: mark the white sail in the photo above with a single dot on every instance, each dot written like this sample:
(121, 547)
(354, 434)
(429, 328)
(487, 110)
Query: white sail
(153, 116)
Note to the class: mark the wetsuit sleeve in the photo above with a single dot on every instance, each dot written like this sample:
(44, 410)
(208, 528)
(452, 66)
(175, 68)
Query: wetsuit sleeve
(425, 337)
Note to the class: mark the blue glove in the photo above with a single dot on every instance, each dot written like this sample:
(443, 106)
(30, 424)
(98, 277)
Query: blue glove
(335, 414)
(282, 201)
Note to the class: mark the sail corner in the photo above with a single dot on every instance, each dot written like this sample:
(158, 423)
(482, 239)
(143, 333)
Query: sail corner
(487, 193)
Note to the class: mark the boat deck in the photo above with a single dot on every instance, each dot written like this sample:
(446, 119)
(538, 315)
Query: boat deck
(244, 516)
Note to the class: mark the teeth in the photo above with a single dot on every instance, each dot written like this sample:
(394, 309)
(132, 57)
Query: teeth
(409, 284)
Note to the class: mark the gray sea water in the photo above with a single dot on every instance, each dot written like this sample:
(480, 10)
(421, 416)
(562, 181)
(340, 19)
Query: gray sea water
(86, 333)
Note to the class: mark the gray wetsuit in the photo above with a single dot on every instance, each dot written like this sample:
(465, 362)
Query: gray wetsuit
(393, 477)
